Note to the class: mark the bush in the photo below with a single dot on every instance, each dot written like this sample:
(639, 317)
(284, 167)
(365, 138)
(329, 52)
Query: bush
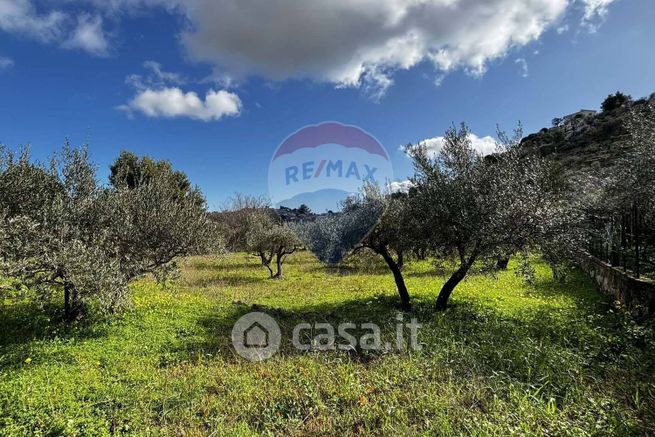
(615, 101)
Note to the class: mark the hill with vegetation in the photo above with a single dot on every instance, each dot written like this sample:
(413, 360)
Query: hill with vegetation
(589, 140)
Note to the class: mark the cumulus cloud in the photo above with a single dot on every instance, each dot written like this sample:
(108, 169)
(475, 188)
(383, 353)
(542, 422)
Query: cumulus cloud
(484, 145)
(400, 186)
(349, 43)
(83, 31)
(6, 63)
(360, 43)
(158, 95)
(20, 16)
(175, 103)
(88, 36)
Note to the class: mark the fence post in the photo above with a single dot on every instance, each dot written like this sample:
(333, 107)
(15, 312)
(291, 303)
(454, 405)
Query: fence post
(637, 242)
(624, 240)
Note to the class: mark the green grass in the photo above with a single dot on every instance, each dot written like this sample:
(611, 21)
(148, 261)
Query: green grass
(506, 358)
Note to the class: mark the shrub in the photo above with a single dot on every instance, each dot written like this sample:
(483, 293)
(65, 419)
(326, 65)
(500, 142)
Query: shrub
(615, 101)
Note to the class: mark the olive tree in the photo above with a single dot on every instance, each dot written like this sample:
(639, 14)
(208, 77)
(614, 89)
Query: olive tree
(60, 229)
(53, 231)
(477, 209)
(232, 220)
(131, 171)
(331, 236)
(632, 182)
(155, 223)
(392, 237)
(271, 240)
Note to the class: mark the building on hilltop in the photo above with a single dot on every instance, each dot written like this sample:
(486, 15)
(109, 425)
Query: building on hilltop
(572, 120)
(569, 122)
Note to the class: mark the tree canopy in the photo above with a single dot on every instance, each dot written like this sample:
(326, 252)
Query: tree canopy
(61, 229)
(476, 208)
(271, 240)
(615, 101)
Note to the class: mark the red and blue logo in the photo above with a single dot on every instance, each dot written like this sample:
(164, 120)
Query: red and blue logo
(321, 165)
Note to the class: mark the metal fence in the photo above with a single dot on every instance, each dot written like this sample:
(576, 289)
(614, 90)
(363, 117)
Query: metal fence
(623, 241)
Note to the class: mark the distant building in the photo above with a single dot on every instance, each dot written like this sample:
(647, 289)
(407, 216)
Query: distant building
(572, 120)
(583, 113)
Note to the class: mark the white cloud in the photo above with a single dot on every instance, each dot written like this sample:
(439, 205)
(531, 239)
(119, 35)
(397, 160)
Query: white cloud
(88, 36)
(484, 145)
(349, 43)
(20, 16)
(175, 103)
(596, 8)
(523, 67)
(360, 43)
(595, 13)
(6, 63)
(400, 186)
(58, 26)
(155, 77)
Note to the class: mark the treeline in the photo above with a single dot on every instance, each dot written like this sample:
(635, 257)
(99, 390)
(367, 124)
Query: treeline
(62, 231)
(468, 210)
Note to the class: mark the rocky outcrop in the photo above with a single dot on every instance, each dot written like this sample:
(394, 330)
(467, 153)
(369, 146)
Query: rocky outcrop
(588, 141)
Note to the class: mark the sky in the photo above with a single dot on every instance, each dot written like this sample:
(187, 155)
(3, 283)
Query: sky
(214, 86)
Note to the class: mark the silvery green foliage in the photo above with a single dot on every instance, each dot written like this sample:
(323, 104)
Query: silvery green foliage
(331, 236)
(633, 182)
(270, 239)
(155, 223)
(397, 230)
(59, 228)
(475, 208)
(52, 229)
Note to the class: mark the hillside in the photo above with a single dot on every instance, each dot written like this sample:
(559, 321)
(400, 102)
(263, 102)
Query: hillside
(586, 140)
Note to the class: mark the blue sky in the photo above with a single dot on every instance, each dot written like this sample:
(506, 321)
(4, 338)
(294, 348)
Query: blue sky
(117, 74)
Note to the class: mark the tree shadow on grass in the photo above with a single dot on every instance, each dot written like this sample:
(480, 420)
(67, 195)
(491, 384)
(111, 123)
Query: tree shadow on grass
(216, 339)
(576, 287)
(428, 274)
(24, 322)
(222, 280)
(212, 266)
(346, 270)
(463, 322)
(469, 345)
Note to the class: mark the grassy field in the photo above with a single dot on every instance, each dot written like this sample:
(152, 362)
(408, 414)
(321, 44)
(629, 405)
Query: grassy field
(507, 357)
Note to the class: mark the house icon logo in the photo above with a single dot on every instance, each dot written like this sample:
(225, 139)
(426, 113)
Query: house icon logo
(256, 336)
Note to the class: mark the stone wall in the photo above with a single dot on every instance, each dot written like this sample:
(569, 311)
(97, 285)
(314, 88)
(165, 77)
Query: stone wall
(638, 295)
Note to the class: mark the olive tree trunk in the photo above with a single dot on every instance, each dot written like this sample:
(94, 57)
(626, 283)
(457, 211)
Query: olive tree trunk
(278, 263)
(449, 286)
(398, 278)
(502, 263)
(72, 304)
